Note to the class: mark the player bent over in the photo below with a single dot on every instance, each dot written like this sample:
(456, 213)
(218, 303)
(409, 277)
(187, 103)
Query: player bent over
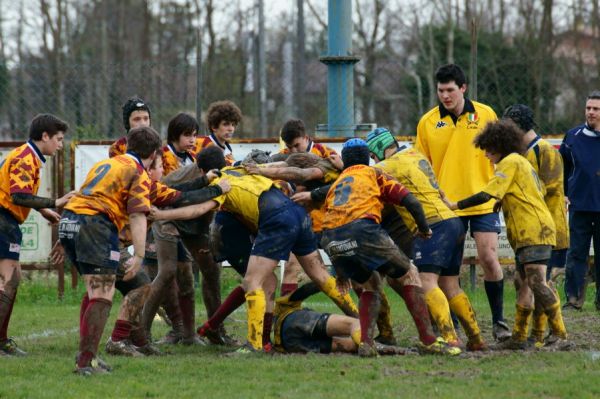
(360, 249)
(529, 226)
(115, 192)
(19, 183)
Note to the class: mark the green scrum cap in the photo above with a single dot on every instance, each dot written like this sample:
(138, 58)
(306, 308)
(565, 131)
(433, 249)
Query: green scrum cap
(378, 140)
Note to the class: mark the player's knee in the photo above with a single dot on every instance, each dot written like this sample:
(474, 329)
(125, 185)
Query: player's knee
(11, 282)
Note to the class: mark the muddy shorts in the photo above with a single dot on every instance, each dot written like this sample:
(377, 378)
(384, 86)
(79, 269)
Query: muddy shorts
(231, 240)
(167, 231)
(283, 227)
(91, 242)
(306, 331)
(393, 224)
(533, 254)
(10, 236)
(442, 253)
(358, 248)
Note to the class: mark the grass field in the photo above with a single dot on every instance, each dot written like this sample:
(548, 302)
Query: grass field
(47, 328)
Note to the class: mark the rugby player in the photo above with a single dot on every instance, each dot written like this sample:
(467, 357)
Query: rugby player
(20, 178)
(222, 119)
(136, 113)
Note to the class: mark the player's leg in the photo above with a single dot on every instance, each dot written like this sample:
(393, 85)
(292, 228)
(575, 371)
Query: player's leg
(10, 276)
(596, 240)
(291, 273)
(437, 303)
(187, 302)
(581, 231)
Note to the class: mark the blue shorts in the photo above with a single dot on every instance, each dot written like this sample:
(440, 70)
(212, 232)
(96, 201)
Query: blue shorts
(442, 253)
(10, 236)
(91, 242)
(488, 223)
(305, 331)
(558, 258)
(230, 240)
(360, 247)
(283, 227)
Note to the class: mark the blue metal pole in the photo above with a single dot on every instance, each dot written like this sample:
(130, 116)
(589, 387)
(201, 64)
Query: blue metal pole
(340, 70)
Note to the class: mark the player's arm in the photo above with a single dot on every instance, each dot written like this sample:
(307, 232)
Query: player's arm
(202, 195)
(551, 170)
(138, 226)
(184, 213)
(197, 183)
(474, 200)
(288, 173)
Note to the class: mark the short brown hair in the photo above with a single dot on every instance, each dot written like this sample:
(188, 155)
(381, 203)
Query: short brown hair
(46, 123)
(181, 124)
(144, 141)
(502, 136)
(222, 111)
(292, 129)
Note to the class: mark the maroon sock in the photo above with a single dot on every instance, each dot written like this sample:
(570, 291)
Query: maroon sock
(187, 306)
(287, 288)
(414, 298)
(91, 328)
(234, 300)
(138, 337)
(8, 303)
(121, 331)
(267, 324)
(366, 307)
(358, 291)
(85, 301)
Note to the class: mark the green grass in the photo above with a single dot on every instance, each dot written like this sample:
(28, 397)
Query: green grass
(47, 328)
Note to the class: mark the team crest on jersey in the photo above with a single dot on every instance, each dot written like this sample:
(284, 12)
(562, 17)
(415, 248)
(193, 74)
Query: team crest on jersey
(472, 120)
(440, 124)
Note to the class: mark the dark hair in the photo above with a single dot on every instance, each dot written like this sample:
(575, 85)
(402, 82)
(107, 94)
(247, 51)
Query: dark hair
(292, 129)
(211, 158)
(521, 115)
(502, 136)
(181, 124)
(46, 123)
(222, 111)
(595, 95)
(133, 104)
(450, 72)
(144, 141)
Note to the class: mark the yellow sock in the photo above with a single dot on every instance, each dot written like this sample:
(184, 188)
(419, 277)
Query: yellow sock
(522, 320)
(461, 306)
(355, 335)
(440, 313)
(384, 320)
(555, 320)
(540, 322)
(344, 302)
(257, 305)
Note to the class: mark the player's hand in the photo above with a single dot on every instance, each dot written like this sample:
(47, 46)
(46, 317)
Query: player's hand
(155, 214)
(497, 206)
(452, 205)
(225, 185)
(132, 267)
(252, 168)
(50, 215)
(426, 235)
(62, 201)
(336, 160)
(567, 203)
(343, 285)
(302, 198)
(57, 254)
(213, 174)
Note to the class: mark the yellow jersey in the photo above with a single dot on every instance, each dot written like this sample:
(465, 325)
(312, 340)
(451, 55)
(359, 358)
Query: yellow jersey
(528, 220)
(460, 168)
(20, 173)
(548, 164)
(359, 193)
(412, 169)
(116, 187)
(242, 199)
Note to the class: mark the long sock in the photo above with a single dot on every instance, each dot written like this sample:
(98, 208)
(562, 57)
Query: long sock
(384, 319)
(92, 326)
(344, 302)
(121, 331)
(85, 301)
(257, 304)
(439, 309)
(540, 322)
(495, 294)
(137, 335)
(461, 307)
(555, 320)
(267, 325)
(287, 288)
(233, 301)
(368, 306)
(522, 320)
(414, 298)
(6, 307)
(187, 306)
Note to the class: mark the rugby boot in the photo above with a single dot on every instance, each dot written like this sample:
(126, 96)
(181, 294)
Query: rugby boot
(227, 339)
(385, 339)
(148, 350)
(553, 343)
(211, 335)
(10, 348)
(101, 363)
(511, 344)
(501, 331)
(174, 336)
(95, 366)
(476, 344)
(366, 349)
(121, 348)
(438, 347)
(193, 340)
(248, 349)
